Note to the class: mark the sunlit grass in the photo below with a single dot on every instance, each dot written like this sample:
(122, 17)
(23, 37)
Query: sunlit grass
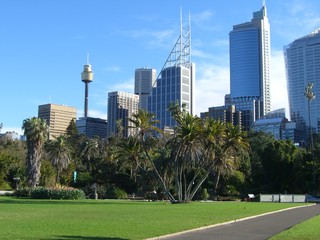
(112, 219)
(308, 230)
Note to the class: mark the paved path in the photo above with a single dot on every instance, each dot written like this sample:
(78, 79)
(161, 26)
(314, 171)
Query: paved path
(261, 227)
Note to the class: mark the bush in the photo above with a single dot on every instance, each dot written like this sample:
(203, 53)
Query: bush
(57, 193)
(204, 194)
(115, 193)
(23, 192)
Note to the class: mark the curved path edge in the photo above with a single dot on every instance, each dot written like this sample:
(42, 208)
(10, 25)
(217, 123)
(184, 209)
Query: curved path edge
(168, 236)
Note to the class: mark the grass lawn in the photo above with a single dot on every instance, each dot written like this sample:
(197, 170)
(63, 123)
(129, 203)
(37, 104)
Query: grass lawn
(115, 219)
(308, 230)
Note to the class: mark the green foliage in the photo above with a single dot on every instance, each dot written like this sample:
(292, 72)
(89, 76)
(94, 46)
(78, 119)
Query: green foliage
(23, 192)
(204, 194)
(48, 174)
(83, 179)
(12, 158)
(116, 193)
(57, 193)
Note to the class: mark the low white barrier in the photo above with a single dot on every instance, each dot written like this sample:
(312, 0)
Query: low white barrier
(297, 198)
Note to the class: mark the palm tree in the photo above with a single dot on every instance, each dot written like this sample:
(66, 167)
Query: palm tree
(234, 142)
(144, 123)
(310, 96)
(36, 132)
(59, 153)
(186, 151)
(130, 152)
(90, 150)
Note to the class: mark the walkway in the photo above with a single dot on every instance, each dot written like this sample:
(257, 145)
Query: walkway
(255, 228)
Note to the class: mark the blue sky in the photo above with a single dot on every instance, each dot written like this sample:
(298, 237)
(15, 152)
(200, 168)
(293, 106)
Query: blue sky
(44, 45)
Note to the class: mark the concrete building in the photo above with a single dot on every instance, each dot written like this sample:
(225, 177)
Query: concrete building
(121, 107)
(58, 118)
(143, 82)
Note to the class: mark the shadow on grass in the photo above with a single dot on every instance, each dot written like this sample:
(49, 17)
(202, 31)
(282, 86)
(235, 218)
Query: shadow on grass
(15, 200)
(87, 238)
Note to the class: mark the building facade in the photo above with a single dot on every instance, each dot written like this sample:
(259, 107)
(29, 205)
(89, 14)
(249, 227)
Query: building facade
(226, 114)
(249, 67)
(92, 127)
(121, 107)
(175, 83)
(143, 82)
(302, 61)
(58, 118)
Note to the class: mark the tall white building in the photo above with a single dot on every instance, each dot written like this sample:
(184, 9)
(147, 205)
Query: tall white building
(121, 107)
(302, 59)
(250, 67)
(143, 81)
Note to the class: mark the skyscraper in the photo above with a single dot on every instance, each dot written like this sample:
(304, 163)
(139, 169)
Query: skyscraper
(249, 67)
(143, 81)
(121, 107)
(302, 59)
(58, 118)
(175, 83)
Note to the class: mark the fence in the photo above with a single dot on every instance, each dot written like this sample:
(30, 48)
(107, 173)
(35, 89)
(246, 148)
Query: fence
(290, 198)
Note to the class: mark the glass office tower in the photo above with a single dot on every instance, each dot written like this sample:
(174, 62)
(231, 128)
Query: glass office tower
(175, 83)
(249, 67)
(302, 59)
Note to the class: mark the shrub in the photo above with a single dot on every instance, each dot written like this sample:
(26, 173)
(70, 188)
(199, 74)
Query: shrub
(115, 193)
(57, 193)
(204, 194)
(23, 192)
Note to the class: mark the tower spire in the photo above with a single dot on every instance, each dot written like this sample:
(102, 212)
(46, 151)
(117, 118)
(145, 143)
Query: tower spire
(86, 77)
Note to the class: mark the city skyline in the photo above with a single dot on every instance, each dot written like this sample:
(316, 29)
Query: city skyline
(45, 47)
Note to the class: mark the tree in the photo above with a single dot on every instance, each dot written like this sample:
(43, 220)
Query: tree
(130, 153)
(36, 132)
(201, 146)
(90, 150)
(59, 153)
(187, 152)
(233, 142)
(144, 123)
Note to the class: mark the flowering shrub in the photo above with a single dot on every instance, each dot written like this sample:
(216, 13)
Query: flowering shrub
(66, 193)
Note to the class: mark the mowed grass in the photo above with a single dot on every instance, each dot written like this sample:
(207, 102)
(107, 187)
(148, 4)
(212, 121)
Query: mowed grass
(115, 219)
(308, 230)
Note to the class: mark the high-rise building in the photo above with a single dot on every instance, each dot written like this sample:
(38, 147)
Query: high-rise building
(175, 83)
(143, 81)
(92, 127)
(58, 118)
(249, 67)
(302, 59)
(121, 107)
